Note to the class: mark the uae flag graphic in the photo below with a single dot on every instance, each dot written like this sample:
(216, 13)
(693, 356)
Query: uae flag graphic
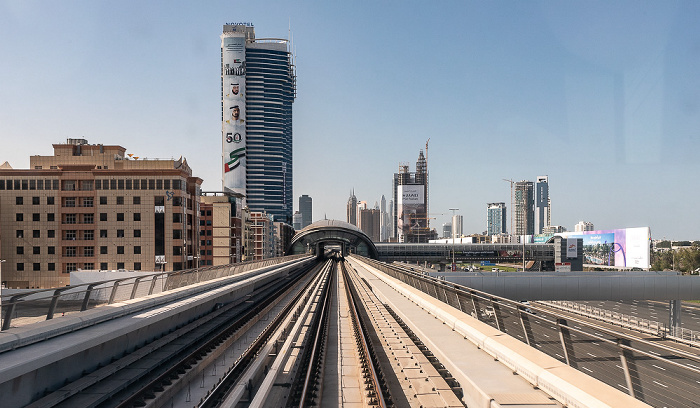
(235, 159)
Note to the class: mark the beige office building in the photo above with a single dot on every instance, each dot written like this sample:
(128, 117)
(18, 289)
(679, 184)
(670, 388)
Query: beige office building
(93, 207)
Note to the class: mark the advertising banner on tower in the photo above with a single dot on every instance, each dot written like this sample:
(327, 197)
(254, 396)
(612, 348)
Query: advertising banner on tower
(411, 208)
(233, 126)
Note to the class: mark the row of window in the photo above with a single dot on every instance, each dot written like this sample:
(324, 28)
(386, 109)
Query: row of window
(90, 185)
(72, 266)
(73, 251)
(90, 201)
(85, 218)
(87, 235)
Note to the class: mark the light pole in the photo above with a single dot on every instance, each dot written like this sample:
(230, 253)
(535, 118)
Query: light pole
(1, 285)
(454, 266)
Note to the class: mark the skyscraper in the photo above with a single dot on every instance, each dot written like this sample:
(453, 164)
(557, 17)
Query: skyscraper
(352, 209)
(410, 203)
(541, 203)
(457, 226)
(305, 208)
(258, 86)
(496, 218)
(524, 208)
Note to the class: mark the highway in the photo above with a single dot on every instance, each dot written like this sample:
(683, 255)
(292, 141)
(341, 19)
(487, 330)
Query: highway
(653, 310)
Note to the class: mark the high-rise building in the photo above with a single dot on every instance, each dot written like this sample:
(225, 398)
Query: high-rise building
(496, 218)
(410, 203)
(352, 209)
(296, 220)
(369, 223)
(447, 230)
(305, 208)
(258, 87)
(220, 229)
(524, 208)
(583, 226)
(92, 207)
(457, 225)
(384, 221)
(541, 203)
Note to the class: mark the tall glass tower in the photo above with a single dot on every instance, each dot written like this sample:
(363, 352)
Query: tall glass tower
(258, 87)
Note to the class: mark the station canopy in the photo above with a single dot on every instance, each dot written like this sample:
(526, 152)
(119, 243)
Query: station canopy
(315, 237)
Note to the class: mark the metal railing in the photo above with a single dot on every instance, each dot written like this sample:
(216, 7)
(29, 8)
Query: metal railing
(31, 306)
(690, 337)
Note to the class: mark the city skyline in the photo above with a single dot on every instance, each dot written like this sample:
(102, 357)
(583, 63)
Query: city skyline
(602, 98)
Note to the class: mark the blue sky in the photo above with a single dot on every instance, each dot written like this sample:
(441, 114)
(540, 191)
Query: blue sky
(602, 97)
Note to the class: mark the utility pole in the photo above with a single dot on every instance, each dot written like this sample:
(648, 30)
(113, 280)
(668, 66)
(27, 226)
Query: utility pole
(454, 266)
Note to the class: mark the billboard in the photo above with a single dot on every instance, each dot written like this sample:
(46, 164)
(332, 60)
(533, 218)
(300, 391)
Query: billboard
(411, 208)
(627, 247)
(233, 128)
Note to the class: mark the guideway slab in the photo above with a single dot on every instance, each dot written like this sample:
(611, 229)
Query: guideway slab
(481, 378)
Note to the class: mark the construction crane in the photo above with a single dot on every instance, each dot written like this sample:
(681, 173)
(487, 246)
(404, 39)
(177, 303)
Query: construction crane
(512, 204)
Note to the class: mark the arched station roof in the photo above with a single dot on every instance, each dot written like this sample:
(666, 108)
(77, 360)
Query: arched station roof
(332, 232)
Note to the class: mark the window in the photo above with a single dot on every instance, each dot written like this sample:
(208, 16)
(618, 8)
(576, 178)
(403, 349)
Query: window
(71, 252)
(103, 233)
(35, 200)
(51, 266)
(103, 266)
(137, 266)
(88, 235)
(202, 232)
(201, 223)
(201, 213)
(137, 233)
(51, 217)
(208, 232)
(36, 217)
(32, 184)
(71, 267)
(159, 200)
(51, 233)
(89, 266)
(120, 184)
(19, 234)
(19, 200)
(50, 200)
(202, 243)
(151, 184)
(36, 234)
(120, 216)
(88, 218)
(88, 202)
(209, 252)
(120, 233)
(112, 184)
(176, 185)
(136, 185)
(177, 217)
(103, 216)
(51, 250)
(202, 252)
(137, 200)
(89, 251)
(137, 250)
(103, 200)
(36, 266)
(177, 201)
(120, 200)
(177, 234)
(98, 183)
(177, 250)
(128, 184)
(19, 217)
(20, 266)
(208, 242)
(120, 251)
(70, 235)
(70, 219)
(69, 185)
(20, 250)
(69, 201)
(103, 251)
(137, 216)
(86, 185)
(120, 265)
(36, 250)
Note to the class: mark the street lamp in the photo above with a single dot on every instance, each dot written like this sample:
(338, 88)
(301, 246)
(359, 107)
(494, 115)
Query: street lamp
(1, 285)
(454, 266)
